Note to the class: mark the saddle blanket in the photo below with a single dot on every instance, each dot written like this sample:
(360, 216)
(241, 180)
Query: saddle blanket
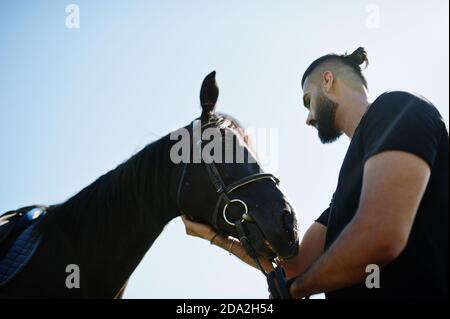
(20, 236)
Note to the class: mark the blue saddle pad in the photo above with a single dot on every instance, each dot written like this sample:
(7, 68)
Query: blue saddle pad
(22, 238)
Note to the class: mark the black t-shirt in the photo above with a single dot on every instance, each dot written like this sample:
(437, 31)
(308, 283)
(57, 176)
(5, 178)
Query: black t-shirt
(405, 122)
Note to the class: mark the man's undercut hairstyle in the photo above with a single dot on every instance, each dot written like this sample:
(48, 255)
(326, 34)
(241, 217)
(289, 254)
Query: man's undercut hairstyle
(353, 61)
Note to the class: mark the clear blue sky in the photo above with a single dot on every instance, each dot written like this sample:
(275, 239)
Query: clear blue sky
(76, 102)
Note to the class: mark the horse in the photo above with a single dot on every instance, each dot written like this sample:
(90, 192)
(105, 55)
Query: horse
(106, 228)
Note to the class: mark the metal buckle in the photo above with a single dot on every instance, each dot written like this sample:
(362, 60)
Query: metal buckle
(245, 216)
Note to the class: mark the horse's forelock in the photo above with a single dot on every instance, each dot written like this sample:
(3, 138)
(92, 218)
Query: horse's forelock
(227, 121)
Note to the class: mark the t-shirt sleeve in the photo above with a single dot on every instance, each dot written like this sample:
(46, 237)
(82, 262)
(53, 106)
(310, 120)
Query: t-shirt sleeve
(404, 122)
(323, 218)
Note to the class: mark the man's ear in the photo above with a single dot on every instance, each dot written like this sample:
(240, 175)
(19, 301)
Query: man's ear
(327, 81)
(209, 94)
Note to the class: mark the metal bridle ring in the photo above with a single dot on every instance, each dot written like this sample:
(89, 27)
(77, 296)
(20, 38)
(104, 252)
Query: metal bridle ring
(226, 206)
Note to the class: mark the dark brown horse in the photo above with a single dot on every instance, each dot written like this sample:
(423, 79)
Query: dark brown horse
(107, 227)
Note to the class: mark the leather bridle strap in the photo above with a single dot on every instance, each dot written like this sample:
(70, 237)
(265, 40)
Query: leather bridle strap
(251, 179)
(217, 182)
(247, 245)
(225, 191)
(180, 187)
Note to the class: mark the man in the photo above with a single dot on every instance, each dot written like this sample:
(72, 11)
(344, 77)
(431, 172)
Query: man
(390, 208)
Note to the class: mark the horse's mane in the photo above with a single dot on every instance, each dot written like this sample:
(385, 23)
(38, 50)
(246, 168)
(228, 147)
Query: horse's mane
(129, 192)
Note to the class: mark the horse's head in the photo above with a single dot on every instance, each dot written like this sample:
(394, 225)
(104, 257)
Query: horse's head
(223, 183)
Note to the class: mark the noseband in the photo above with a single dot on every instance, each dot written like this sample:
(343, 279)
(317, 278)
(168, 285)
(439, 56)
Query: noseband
(275, 279)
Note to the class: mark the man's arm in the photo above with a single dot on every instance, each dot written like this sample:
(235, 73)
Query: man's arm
(393, 185)
(310, 248)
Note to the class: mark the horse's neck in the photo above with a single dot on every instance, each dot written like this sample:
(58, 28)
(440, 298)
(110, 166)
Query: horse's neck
(117, 218)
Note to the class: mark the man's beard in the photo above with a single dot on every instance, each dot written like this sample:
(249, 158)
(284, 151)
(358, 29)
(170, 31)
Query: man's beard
(325, 119)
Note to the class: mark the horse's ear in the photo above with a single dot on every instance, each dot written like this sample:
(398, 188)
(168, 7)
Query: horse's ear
(209, 94)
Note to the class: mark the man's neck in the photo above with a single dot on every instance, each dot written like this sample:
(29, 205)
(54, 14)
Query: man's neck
(355, 105)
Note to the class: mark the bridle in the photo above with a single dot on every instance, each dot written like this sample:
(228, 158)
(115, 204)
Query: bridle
(224, 191)
(275, 279)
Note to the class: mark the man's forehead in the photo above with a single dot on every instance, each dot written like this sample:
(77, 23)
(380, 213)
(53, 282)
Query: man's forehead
(306, 86)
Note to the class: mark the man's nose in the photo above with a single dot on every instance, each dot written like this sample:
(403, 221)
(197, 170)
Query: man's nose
(310, 121)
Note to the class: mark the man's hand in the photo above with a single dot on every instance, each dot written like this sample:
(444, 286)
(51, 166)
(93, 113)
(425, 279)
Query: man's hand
(198, 229)
(232, 245)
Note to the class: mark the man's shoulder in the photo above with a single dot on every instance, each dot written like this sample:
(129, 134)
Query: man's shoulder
(393, 104)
